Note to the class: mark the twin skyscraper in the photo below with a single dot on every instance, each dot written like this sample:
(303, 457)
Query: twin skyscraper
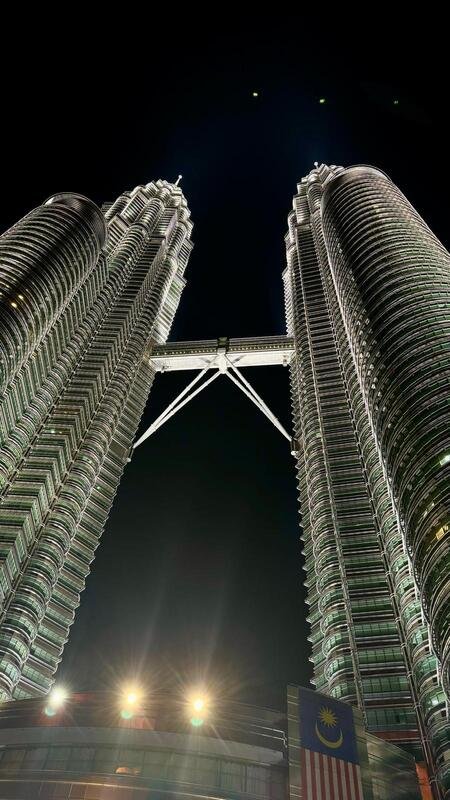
(82, 294)
(85, 292)
(368, 303)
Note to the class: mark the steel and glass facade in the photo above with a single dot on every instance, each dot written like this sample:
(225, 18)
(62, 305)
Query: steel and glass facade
(368, 301)
(83, 293)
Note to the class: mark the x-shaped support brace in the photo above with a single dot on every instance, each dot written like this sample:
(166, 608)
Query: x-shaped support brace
(223, 366)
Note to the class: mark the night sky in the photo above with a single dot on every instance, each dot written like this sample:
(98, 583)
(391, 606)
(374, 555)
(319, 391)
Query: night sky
(198, 576)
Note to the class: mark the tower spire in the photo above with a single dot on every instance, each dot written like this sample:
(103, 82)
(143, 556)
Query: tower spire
(178, 180)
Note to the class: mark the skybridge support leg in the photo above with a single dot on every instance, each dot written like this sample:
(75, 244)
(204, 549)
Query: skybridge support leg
(223, 367)
(176, 404)
(253, 395)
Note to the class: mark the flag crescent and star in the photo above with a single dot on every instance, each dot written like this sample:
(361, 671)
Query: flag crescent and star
(329, 757)
(327, 717)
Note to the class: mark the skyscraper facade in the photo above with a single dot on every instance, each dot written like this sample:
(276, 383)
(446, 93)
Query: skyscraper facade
(368, 302)
(83, 293)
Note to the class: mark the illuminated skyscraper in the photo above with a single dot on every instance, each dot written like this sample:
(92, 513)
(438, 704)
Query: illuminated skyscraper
(368, 304)
(82, 296)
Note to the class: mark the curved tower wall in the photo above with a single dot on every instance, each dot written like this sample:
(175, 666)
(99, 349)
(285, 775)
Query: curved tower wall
(67, 441)
(393, 278)
(380, 549)
(44, 260)
(357, 653)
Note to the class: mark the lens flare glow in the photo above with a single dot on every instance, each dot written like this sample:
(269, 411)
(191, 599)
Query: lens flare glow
(129, 701)
(198, 707)
(57, 697)
(198, 704)
(131, 695)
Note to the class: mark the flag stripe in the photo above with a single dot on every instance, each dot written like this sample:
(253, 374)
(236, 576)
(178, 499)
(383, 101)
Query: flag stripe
(327, 778)
(335, 779)
(341, 780)
(318, 775)
(319, 779)
(346, 771)
(349, 776)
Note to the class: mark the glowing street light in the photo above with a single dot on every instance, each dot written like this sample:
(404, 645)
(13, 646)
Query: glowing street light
(131, 697)
(56, 700)
(198, 704)
(198, 709)
(57, 697)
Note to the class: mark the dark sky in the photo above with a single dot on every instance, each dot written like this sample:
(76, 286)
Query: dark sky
(198, 575)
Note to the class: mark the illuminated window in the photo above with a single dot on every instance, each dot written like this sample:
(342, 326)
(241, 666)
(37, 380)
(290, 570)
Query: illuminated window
(442, 531)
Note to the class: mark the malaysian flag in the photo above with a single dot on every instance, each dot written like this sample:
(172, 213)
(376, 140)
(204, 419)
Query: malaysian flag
(329, 756)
